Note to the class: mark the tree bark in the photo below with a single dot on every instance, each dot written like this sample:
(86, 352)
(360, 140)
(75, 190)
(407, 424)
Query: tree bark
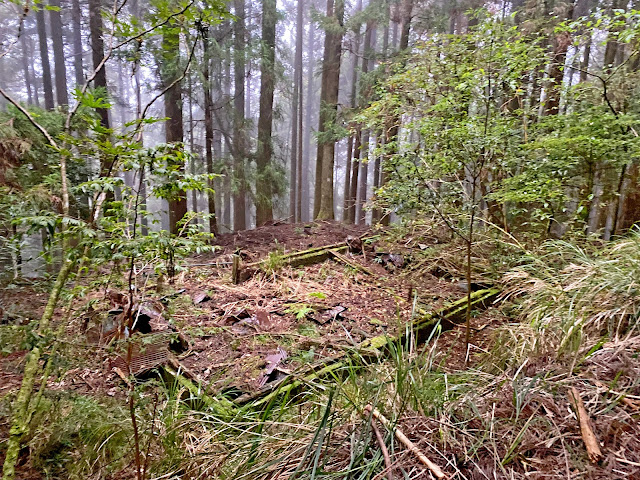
(329, 107)
(349, 201)
(368, 62)
(296, 131)
(305, 188)
(97, 54)
(58, 54)
(76, 16)
(264, 153)
(208, 128)
(47, 84)
(560, 44)
(376, 214)
(299, 47)
(173, 112)
(239, 142)
(26, 56)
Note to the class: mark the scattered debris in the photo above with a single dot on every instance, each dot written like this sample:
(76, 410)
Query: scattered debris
(391, 261)
(355, 244)
(272, 372)
(200, 297)
(329, 315)
(240, 272)
(341, 258)
(424, 324)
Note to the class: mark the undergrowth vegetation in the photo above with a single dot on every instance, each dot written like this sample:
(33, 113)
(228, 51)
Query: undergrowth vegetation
(569, 321)
(569, 292)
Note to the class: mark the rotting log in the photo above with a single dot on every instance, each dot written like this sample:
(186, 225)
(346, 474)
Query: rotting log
(424, 325)
(240, 272)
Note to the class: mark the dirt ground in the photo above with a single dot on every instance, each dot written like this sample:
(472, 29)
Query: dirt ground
(237, 338)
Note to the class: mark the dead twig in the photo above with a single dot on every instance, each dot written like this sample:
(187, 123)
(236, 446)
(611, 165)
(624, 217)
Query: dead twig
(588, 437)
(631, 403)
(124, 378)
(435, 469)
(341, 258)
(383, 448)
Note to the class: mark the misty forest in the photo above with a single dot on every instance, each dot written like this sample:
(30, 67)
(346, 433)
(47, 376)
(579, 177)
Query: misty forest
(320, 239)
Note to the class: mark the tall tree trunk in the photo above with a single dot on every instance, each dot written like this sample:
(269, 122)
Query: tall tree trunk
(355, 175)
(47, 84)
(586, 56)
(392, 130)
(26, 56)
(208, 128)
(329, 106)
(368, 62)
(296, 132)
(76, 18)
(31, 48)
(305, 188)
(348, 204)
(560, 44)
(97, 54)
(239, 142)
(192, 147)
(225, 129)
(264, 153)
(377, 181)
(299, 47)
(173, 112)
(142, 193)
(58, 54)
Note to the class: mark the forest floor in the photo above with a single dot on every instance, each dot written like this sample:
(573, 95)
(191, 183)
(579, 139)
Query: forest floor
(234, 339)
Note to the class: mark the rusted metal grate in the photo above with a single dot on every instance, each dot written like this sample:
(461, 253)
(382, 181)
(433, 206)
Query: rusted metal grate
(143, 358)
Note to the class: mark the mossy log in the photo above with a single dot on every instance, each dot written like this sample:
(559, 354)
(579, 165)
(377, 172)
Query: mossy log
(301, 258)
(422, 326)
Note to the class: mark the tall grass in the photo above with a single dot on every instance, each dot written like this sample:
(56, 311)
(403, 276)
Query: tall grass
(573, 294)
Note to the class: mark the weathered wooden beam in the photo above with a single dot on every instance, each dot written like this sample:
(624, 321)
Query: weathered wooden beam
(240, 272)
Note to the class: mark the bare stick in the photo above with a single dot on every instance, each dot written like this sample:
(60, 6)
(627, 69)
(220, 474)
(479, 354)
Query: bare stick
(383, 448)
(435, 469)
(588, 437)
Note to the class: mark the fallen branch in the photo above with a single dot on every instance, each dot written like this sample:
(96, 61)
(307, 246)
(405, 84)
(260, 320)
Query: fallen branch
(341, 258)
(588, 437)
(435, 469)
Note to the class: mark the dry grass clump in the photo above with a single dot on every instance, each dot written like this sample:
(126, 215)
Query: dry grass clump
(569, 293)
